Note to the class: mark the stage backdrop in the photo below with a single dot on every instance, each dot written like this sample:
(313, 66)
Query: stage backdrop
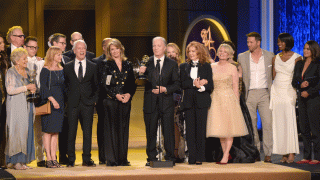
(207, 30)
(300, 18)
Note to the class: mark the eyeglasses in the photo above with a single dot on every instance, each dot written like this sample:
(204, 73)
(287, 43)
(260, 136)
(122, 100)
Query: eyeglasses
(20, 36)
(63, 43)
(33, 47)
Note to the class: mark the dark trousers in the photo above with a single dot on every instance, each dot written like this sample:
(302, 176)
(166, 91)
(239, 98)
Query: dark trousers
(309, 122)
(116, 131)
(167, 123)
(63, 140)
(85, 114)
(196, 124)
(100, 129)
(3, 138)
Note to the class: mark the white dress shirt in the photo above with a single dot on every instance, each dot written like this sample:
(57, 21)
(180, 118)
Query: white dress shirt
(194, 75)
(34, 64)
(161, 62)
(13, 47)
(76, 66)
(258, 74)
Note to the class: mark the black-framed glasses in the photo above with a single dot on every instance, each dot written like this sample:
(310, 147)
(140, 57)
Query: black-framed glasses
(33, 47)
(20, 36)
(63, 43)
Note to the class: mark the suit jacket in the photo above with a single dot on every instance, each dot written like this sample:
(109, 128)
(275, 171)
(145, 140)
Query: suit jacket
(66, 60)
(203, 99)
(71, 55)
(244, 60)
(169, 79)
(85, 91)
(120, 83)
(99, 59)
(9, 54)
(101, 62)
(312, 75)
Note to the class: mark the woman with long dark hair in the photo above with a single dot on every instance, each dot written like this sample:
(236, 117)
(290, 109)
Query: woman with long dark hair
(306, 80)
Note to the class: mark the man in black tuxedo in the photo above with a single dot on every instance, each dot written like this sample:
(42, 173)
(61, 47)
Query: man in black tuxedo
(59, 40)
(82, 93)
(15, 37)
(162, 73)
(75, 37)
(100, 106)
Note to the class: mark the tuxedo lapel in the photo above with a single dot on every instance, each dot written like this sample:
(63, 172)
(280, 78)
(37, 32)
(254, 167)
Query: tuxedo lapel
(188, 69)
(88, 70)
(72, 70)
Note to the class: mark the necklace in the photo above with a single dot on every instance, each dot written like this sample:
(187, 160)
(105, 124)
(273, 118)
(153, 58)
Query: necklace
(57, 74)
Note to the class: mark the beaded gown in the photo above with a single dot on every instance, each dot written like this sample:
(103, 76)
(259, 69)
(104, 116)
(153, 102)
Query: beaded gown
(225, 117)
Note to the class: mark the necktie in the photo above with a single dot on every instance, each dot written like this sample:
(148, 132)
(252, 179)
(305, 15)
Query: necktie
(80, 73)
(194, 64)
(157, 72)
(158, 65)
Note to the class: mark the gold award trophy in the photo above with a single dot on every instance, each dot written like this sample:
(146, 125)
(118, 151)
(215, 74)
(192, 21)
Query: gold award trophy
(141, 78)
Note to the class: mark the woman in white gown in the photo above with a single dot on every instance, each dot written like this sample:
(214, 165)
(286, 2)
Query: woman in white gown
(283, 101)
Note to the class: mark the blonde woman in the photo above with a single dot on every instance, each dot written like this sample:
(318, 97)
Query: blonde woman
(119, 84)
(52, 88)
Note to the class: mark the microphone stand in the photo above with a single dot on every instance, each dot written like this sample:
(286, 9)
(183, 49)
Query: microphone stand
(160, 163)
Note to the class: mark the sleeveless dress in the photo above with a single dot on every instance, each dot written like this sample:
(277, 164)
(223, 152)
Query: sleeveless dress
(225, 117)
(282, 103)
(52, 123)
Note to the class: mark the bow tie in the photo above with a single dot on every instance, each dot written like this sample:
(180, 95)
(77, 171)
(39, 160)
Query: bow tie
(194, 64)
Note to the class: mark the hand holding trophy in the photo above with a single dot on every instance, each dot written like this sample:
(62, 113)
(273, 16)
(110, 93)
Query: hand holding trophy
(140, 69)
(32, 95)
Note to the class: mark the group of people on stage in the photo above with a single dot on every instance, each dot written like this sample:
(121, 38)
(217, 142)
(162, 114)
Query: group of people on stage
(217, 100)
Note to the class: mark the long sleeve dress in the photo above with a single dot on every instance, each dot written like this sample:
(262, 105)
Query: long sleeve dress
(20, 118)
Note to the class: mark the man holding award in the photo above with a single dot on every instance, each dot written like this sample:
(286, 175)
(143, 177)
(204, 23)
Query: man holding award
(163, 80)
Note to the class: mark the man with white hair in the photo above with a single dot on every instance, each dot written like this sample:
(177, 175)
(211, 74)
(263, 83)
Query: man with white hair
(82, 95)
(75, 37)
(162, 73)
(15, 37)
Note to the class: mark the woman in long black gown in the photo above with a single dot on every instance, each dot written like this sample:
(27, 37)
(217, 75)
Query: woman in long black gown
(243, 149)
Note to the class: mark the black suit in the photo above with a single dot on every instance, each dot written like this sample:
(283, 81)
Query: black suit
(82, 96)
(63, 135)
(71, 55)
(100, 110)
(162, 103)
(309, 108)
(196, 104)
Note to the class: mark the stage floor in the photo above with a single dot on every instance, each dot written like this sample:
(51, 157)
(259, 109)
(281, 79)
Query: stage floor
(138, 170)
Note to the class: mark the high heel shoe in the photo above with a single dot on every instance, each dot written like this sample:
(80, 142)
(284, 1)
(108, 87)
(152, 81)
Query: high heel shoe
(50, 164)
(56, 164)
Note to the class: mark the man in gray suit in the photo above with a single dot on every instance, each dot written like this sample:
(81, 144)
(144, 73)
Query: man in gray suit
(257, 77)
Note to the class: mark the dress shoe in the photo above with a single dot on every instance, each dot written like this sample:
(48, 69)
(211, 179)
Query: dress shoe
(70, 164)
(89, 163)
(198, 163)
(102, 162)
(304, 161)
(314, 162)
(126, 163)
(148, 164)
(41, 164)
(267, 159)
(111, 164)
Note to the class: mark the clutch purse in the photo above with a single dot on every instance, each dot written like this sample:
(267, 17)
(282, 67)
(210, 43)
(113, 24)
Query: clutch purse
(44, 109)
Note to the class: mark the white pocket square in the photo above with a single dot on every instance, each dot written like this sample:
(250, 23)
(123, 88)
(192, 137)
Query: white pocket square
(269, 66)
